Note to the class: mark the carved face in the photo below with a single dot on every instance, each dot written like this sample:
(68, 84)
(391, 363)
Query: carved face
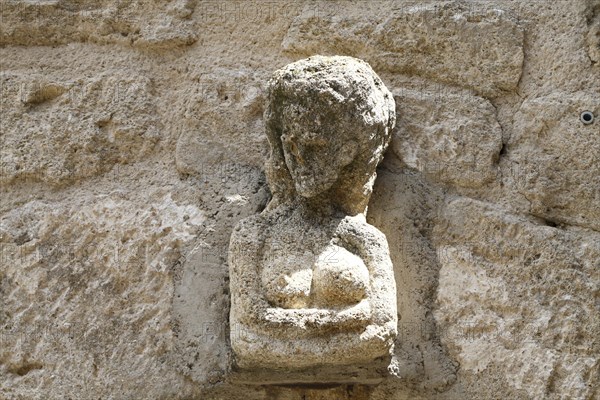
(315, 152)
(328, 121)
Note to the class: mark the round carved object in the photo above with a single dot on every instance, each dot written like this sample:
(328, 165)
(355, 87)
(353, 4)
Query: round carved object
(340, 278)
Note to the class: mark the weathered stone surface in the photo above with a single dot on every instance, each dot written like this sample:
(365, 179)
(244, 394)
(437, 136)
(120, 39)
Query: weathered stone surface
(469, 45)
(196, 71)
(201, 295)
(404, 207)
(59, 131)
(449, 135)
(556, 158)
(222, 114)
(593, 34)
(522, 305)
(101, 277)
(311, 282)
(128, 22)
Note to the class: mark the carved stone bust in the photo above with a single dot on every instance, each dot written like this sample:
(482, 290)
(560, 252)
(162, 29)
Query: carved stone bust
(312, 283)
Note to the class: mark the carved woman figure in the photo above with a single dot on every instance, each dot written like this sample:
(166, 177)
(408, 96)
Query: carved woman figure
(311, 281)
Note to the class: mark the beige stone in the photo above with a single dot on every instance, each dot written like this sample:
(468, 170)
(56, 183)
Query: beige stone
(116, 214)
(69, 130)
(129, 22)
(555, 159)
(522, 305)
(469, 45)
(311, 282)
(449, 135)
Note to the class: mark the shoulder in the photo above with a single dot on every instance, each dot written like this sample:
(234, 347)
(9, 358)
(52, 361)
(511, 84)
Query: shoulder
(357, 227)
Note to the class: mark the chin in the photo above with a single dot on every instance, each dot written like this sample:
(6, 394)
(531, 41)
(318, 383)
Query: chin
(314, 189)
(308, 192)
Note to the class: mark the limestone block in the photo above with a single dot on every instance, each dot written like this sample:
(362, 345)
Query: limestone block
(86, 287)
(468, 45)
(516, 295)
(404, 207)
(449, 135)
(593, 34)
(227, 194)
(129, 22)
(223, 115)
(555, 158)
(62, 131)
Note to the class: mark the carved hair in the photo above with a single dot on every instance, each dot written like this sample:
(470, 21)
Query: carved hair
(344, 89)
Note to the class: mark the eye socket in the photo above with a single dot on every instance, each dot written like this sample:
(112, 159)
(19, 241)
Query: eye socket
(587, 117)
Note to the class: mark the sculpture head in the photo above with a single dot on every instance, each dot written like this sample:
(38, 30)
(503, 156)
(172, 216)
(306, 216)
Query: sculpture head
(329, 121)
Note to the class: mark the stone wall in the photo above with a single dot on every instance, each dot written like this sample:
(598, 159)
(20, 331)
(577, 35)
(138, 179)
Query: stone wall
(132, 141)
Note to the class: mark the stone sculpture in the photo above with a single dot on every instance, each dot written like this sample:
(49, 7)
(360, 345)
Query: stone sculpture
(312, 282)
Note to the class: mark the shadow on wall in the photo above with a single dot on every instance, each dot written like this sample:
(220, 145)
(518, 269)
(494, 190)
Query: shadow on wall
(403, 207)
(201, 295)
